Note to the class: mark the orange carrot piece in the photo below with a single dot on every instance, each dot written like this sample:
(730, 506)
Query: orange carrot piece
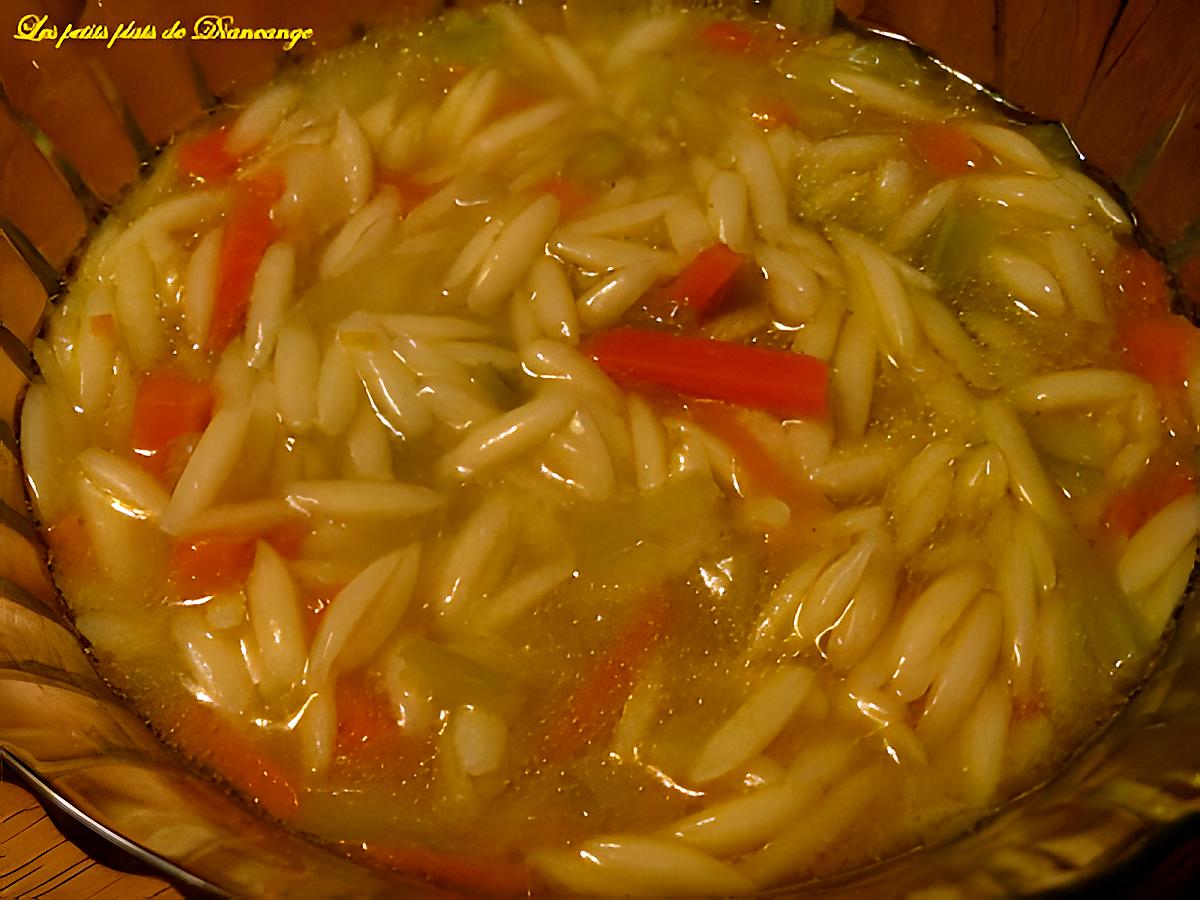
(489, 877)
(594, 706)
(1162, 351)
(705, 281)
(1131, 507)
(104, 326)
(249, 231)
(367, 724)
(69, 544)
(412, 192)
(220, 745)
(287, 539)
(206, 157)
(778, 381)
(727, 37)
(209, 565)
(572, 196)
(167, 407)
(1142, 281)
(724, 422)
(772, 112)
(949, 151)
(316, 598)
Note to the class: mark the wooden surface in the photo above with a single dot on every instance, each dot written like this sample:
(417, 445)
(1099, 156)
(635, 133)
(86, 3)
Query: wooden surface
(36, 861)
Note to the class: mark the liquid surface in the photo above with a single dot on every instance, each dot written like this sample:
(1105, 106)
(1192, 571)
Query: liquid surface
(662, 453)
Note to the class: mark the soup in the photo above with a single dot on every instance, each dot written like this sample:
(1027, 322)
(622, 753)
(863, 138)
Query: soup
(658, 452)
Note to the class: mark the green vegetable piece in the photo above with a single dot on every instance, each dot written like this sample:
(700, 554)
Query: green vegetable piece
(468, 38)
(962, 237)
(601, 158)
(813, 16)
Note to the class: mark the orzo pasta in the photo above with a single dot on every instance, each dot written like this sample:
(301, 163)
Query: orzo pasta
(619, 452)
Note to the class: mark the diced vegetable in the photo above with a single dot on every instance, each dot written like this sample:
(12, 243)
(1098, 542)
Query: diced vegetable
(167, 407)
(949, 151)
(572, 195)
(597, 701)
(104, 325)
(813, 16)
(1142, 281)
(248, 234)
(1155, 345)
(206, 566)
(764, 470)
(224, 748)
(459, 680)
(468, 39)
(316, 599)
(962, 237)
(69, 545)
(287, 539)
(367, 725)
(705, 282)
(205, 158)
(778, 381)
(412, 192)
(639, 540)
(727, 37)
(1131, 507)
(600, 157)
(1162, 351)
(771, 112)
(487, 877)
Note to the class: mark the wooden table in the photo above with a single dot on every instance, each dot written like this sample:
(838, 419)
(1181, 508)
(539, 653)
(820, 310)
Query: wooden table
(37, 861)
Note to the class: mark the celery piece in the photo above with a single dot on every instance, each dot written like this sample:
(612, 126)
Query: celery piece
(467, 38)
(891, 60)
(960, 239)
(384, 282)
(1109, 629)
(648, 537)
(456, 679)
(1089, 441)
(599, 159)
(1053, 139)
(813, 16)
(365, 810)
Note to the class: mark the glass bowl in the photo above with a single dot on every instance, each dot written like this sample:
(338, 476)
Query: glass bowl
(78, 122)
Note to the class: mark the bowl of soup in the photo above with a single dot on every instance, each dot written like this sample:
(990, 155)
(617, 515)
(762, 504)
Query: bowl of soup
(635, 449)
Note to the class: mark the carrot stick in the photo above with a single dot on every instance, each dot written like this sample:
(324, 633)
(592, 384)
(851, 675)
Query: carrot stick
(571, 195)
(209, 565)
(727, 37)
(768, 476)
(206, 157)
(778, 381)
(217, 744)
(248, 233)
(1131, 507)
(596, 703)
(69, 544)
(367, 725)
(949, 151)
(1142, 281)
(412, 192)
(1162, 351)
(705, 281)
(489, 877)
(166, 407)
